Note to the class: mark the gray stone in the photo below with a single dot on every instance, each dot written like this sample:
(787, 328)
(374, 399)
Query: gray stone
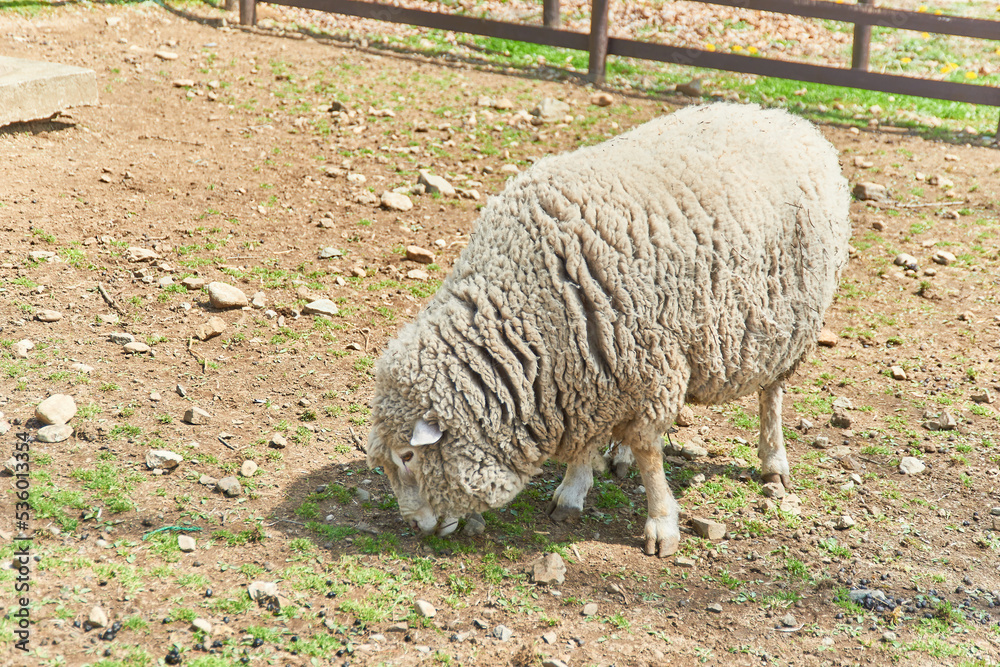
(54, 433)
(684, 561)
(685, 417)
(230, 486)
(48, 315)
(436, 184)
(708, 529)
(258, 300)
(278, 441)
(186, 543)
(692, 452)
(889, 636)
(692, 88)
(32, 89)
(550, 638)
(911, 466)
(425, 608)
(589, 609)
(551, 110)
(321, 307)
(262, 589)
(82, 368)
(56, 409)
(788, 621)
(163, 459)
(395, 201)
(982, 396)
(995, 511)
(898, 373)
(415, 253)
(714, 608)
(121, 338)
(207, 480)
(906, 261)
(196, 416)
(329, 252)
(136, 348)
(549, 569)
(202, 624)
(214, 327)
(844, 522)
(503, 633)
(136, 254)
(943, 257)
(224, 296)
(418, 274)
(821, 442)
(868, 191)
(248, 468)
(21, 348)
(193, 282)
(840, 418)
(108, 318)
(773, 490)
(98, 618)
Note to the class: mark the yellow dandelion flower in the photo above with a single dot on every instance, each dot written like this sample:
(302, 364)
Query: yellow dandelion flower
(753, 49)
(938, 12)
(925, 35)
(971, 75)
(737, 48)
(922, 8)
(905, 60)
(709, 46)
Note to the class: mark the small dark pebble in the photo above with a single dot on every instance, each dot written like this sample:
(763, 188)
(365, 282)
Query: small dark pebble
(76, 624)
(199, 647)
(217, 643)
(331, 594)
(839, 615)
(225, 619)
(208, 592)
(107, 653)
(257, 642)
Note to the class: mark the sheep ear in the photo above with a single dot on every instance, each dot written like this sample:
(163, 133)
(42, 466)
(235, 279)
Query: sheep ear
(425, 433)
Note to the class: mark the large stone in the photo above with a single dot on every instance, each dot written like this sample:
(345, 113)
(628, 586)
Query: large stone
(21, 348)
(911, 466)
(33, 89)
(262, 589)
(685, 417)
(223, 296)
(121, 338)
(214, 327)
(551, 110)
(136, 347)
(248, 468)
(944, 258)
(196, 416)
(186, 543)
(549, 569)
(163, 459)
(827, 338)
(230, 486)
(436, 184)
(395, 201)
(54, 433)
(136, 254)
(48, 315)
(425, 608)
(278, 441)
(193, 282)
(415, 253)
(56, 409)
(321, 307)
(708, 529)
(868, 191)
(840, 418)
(98, 618)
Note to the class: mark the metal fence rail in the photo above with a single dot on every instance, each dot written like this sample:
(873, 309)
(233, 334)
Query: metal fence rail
(600, 45)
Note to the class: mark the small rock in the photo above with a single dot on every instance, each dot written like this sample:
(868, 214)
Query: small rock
(136, 347)
(982, 396)
(214, 327)
(321, 307)
(258, 300)
(436, 184)
(821, 442)
(98, 618)
(943, 257)
(166, 55)
(906, 261)
(773, 490)
(589, 609)
(193, 282)
(330, 252)
(549, 569)
(230, 486)
(840, 418)
(425, 608)
(248, 468)
(551, 110)
(362, 495)
(889, 636)
(186, 543)
(142, 255)
(791, 504)
(48, 315)
(54, 433)
(503, 633)
(827, 338)
(708, 529)
(692, 88)
(196, 416)
(685, 417)
(510, 169)
(868, 191)
(56, 409)
(550, 638)
(941, 181)
(714, 608)
(788, 621)
(844, 522)
(848, 462)
(121, 338)
(278, 441)
(683, 561)
(692, 452)
(911, 466)
(207, 480)
(108, 318)
(420, 255)
(418, 274)
(21, 348)
(898, 373)
(602, 99)
(163, 459)
(262, 589)
(395, 201)
(223, 296)
(203, 625)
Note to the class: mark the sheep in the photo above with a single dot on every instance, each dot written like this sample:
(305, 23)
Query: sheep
(690, 259)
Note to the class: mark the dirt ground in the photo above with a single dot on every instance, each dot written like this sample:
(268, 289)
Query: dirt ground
(258, 158)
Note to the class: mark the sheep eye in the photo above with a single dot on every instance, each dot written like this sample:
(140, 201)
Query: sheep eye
(407, 457)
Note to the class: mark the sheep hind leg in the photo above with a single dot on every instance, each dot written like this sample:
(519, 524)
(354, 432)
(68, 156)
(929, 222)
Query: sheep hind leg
(771, 447)
(620, 459)
(662, 533)
(567, 500)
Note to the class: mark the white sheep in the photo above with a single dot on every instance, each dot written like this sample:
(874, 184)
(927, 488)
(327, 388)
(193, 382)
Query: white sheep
(690, 259)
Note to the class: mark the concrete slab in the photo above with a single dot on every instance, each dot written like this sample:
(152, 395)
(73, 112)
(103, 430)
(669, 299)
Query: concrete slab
(32, 89)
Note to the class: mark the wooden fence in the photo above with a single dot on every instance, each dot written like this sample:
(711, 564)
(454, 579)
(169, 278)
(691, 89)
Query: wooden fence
(600, 45)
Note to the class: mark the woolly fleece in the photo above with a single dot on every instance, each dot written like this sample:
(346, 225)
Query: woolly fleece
(690, 259)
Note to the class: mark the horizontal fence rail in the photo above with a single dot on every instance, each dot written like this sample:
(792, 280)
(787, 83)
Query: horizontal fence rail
(600, 45)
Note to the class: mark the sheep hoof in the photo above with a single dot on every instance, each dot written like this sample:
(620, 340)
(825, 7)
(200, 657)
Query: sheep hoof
(662, 547)
(621, 469)
(562, 513)
(662, 536)
(772, 477)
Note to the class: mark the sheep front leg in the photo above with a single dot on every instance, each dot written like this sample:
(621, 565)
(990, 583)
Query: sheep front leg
(663, 536)
(771, 448)
(567, 500)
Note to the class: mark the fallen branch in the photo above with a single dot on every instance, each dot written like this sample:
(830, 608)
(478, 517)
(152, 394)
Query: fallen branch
(110, 301)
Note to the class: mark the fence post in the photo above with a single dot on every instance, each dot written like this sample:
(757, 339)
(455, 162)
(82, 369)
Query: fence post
(862, 42)
(598, 40)
(248, 12)
(550, 13)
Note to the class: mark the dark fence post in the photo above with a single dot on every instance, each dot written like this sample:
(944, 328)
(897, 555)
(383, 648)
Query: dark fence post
(862, 42)
(248, 12)
(598, 39)
(550, 13)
